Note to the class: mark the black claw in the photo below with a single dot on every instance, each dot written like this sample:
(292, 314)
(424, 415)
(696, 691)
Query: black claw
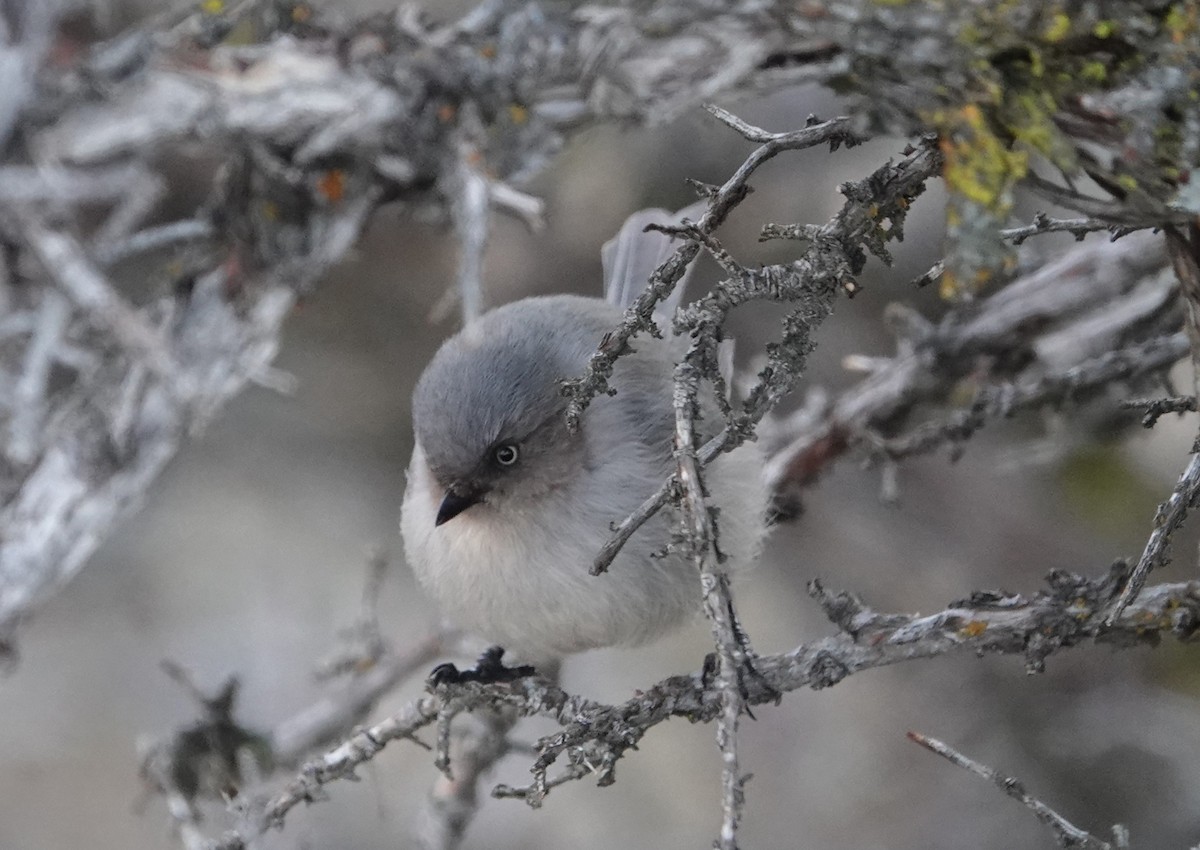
(749, 669)
(708, 672)
(443, 674)
(488, 669)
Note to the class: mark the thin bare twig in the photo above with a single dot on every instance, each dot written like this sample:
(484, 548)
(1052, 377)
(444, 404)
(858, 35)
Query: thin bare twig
(1156, 408)
(1066, 834)
(1167, 519)
(1003, 398)
(1078, 227)
(337, 711)
(453, 801)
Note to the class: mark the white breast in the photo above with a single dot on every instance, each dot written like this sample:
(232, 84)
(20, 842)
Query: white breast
(520, 579)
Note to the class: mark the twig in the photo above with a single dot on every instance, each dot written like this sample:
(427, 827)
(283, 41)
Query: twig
(528, 208)
(1002, 399)
(1169, 516)
(1112, 211)
(57, 186)
(338, 763)
(1183, 247)
(1078, 227)
(1156, 408)
(1066, 834)
(700, 532)
(339, 710)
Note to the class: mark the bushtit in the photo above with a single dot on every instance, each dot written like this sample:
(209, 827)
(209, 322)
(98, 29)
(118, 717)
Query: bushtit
(506, 508)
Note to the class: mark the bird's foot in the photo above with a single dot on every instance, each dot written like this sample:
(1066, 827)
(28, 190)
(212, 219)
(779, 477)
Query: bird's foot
(489, 669)
(746, 669)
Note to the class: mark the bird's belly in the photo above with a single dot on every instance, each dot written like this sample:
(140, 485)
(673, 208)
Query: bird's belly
(523, 583)
(527, 590)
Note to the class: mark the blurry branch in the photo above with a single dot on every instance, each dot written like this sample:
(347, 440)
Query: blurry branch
(205, 758)
(1156, 408)
(454, 797)
(1077, 227)
(364, 642)
(214, 757)
(1066, 834)
(1070, 329)
(469, 211)
(338, 711)
(595, 736)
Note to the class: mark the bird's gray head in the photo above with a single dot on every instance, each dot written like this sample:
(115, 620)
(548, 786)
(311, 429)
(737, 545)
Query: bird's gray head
(488, 410)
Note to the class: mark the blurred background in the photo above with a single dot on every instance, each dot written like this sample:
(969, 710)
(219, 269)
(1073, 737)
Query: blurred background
(251, 554)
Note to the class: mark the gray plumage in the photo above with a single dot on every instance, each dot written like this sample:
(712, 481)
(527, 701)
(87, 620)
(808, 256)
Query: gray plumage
(511, 561)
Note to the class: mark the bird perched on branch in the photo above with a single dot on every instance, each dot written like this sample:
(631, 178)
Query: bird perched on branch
(506, 507)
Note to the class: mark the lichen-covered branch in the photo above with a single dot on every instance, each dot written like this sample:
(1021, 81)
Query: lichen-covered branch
(595, 736)
(873, 215)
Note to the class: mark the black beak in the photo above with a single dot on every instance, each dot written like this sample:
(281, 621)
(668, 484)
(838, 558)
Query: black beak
(454, 504)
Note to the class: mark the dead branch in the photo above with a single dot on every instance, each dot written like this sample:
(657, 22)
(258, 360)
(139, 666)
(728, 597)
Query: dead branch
(595, 736)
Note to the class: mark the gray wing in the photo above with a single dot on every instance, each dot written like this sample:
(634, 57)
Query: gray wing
(630, 257)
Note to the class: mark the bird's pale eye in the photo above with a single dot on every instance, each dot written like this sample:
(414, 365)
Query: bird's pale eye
(506, 454)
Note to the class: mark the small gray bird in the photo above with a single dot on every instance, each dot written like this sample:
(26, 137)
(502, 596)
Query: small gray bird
(506, 508)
